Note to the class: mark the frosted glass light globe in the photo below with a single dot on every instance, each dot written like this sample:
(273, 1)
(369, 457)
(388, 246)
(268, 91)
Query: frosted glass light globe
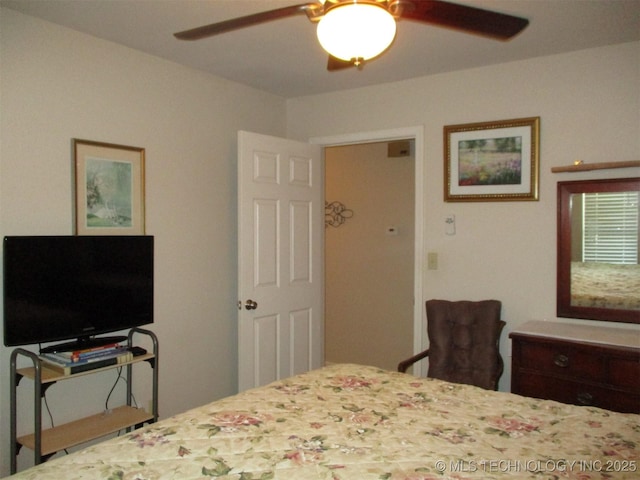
(357, 31)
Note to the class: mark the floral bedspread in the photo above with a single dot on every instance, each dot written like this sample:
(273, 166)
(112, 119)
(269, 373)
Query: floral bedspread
(350, 422)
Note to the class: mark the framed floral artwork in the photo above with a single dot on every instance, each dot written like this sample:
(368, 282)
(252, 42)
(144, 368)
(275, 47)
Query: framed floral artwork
(492, 161)
(109, 184)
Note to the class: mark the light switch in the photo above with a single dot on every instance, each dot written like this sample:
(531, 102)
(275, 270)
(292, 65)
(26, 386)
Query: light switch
(432, 261)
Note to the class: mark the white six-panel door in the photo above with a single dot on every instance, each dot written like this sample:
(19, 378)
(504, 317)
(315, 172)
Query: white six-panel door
(280, 264)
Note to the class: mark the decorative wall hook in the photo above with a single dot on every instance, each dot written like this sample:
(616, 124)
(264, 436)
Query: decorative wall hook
(335, 214)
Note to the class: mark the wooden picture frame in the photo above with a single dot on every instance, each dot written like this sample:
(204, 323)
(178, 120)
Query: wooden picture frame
(109, 188)
(598, 272)
(492, 161)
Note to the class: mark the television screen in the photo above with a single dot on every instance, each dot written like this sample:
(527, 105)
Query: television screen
(75, 287)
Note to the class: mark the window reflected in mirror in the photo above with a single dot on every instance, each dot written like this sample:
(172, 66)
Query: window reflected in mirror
(598, 270)
(604, 250)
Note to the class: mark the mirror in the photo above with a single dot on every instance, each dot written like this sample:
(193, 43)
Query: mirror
(598, 270)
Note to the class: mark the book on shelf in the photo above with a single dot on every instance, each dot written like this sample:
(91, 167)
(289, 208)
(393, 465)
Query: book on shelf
(90, 352)
(68, 368)
(66, 361)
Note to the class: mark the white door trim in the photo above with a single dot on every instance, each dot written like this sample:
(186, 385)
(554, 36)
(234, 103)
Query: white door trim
(417, 133)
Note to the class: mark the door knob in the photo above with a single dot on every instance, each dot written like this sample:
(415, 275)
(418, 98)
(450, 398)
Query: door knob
(250, 305)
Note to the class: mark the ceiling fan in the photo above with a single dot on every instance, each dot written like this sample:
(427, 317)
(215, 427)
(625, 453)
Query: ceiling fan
(354, 31)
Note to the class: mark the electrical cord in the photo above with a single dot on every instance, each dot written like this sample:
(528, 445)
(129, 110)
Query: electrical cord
(106, 402)
(113, 387)
(46, 406)
(118, 378)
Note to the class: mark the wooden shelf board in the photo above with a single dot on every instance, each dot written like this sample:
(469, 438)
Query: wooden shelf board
(584, 167)
(85, 429)
(50, 376)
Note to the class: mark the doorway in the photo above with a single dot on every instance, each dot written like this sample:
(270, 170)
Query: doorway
(373, 275)
(369, 239)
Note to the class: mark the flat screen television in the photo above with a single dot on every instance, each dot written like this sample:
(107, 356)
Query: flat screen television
(60, 288)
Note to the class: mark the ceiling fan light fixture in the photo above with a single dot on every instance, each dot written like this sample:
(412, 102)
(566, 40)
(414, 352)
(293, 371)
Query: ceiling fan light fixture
(356, 31)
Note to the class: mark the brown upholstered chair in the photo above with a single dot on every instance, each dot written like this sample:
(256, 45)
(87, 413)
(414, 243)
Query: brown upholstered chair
(463, 342)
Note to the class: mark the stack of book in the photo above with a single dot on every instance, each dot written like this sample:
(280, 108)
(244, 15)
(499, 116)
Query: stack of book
(68, 363)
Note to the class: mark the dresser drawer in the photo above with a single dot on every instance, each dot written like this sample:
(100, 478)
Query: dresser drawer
(580, 373)
(576, 393)
(564, 360)
(625, 372)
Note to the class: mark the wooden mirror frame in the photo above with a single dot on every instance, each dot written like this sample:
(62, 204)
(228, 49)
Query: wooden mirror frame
(564, 306)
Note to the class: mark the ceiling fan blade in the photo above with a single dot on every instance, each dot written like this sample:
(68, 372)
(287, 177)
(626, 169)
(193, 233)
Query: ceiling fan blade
(474, 20)
(241, 22)
(335, 63)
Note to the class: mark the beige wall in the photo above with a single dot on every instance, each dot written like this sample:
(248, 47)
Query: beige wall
(58, 84)
(368, 273)
(589, 105)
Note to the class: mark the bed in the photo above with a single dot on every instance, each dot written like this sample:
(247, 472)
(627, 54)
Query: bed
(359, 422)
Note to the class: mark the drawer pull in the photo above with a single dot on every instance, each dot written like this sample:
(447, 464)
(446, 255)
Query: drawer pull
(561, 360)
(584, 398)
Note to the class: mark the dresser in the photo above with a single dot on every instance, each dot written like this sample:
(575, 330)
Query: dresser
(578, 364)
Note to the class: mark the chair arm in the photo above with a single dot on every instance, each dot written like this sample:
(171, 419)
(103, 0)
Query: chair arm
(405, 364)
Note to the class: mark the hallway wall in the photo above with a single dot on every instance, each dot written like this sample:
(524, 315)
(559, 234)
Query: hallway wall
(368, 272)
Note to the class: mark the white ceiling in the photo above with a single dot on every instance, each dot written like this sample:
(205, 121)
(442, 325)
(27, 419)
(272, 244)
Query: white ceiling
(284, 57)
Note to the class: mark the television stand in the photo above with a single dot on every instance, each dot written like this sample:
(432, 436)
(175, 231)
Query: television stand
(83, 343)
(46, 443)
